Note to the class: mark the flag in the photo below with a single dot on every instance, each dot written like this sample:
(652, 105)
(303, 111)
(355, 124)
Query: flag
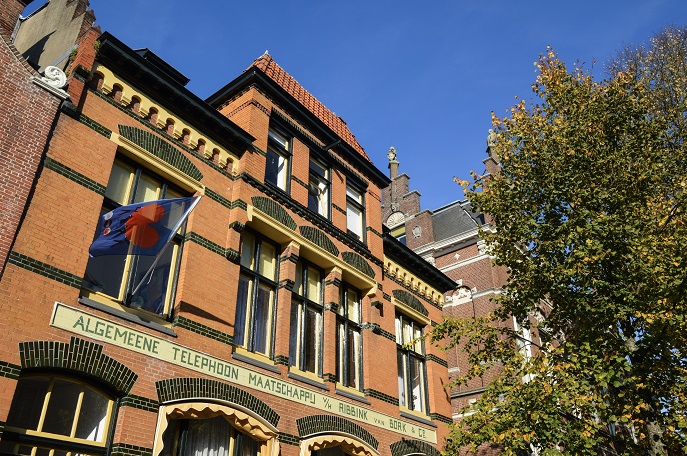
(141, 228)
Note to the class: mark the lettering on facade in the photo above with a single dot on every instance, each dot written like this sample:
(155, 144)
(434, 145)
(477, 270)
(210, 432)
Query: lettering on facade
(82, 323)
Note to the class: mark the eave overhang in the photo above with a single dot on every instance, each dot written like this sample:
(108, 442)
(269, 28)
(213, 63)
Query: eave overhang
(143, 75)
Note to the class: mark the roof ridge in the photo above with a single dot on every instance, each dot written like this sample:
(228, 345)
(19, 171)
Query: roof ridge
(271, 68)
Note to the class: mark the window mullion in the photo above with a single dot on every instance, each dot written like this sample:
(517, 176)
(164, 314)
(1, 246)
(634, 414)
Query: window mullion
(46, 401)
(77, 412)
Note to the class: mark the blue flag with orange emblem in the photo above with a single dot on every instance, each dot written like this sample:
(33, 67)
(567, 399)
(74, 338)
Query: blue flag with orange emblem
(141, 228)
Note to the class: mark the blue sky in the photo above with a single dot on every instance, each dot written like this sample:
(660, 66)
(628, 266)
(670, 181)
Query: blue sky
(420, 76)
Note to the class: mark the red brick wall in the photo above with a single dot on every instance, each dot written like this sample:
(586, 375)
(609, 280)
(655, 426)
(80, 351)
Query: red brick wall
(26, 115)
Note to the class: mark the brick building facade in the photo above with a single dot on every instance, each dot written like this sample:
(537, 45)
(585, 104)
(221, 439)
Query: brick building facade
(282, 318)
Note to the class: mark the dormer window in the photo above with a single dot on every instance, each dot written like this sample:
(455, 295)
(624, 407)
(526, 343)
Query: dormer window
(318, 188)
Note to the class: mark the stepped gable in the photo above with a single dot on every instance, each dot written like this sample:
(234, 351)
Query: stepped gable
(266, 64)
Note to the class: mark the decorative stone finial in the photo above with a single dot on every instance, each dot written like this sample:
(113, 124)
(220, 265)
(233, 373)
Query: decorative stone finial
(391, 154)
(491, 143)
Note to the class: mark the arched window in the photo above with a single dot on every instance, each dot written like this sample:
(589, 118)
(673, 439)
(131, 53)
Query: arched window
(57, 416)
(207, 429)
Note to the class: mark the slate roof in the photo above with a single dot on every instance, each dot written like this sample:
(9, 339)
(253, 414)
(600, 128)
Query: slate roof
(453, 219)
(267, 65)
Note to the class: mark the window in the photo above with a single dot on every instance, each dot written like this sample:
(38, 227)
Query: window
(305, 337)
(52, 416)
(411, 364)
(355, 212)
(277, 168)
(348, 339)
(117, 275)
(207, 437)
(318, 188)
(253, 325)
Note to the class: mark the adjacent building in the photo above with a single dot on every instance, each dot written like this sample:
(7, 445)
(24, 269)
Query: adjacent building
(282, 318)
(448, 238)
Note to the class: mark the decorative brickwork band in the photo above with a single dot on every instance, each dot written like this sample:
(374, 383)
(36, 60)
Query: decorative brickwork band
(175, 389)
(232, 255)
(289, 439)
(124, 449)
(161, 149)
(200, 240)
(410, 300)
(44, 269)
(436, 359)
(74, 176)
(442, 418)
(281, 359)
(203, 330)
(407, 446)
(359, 263)
(90, 123)
(140, 402)
(381, 396)
(319, 238)
(80, 356)
(217, 197)
(274, 210)
(327, 424)
(9, 370)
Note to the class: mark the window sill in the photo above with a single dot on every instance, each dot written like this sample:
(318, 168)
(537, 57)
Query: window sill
(351, 393)
(307, 377)
(131, 317)
(254, 359)
(417, 416)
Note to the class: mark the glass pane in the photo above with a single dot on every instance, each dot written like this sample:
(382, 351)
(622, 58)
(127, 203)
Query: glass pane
(353, 358)
(209, 437)
(399, 330)
(247, 249)
(242, 301)
(417, 384)
(417, 334)
(276, 169)
(354, 220)
(340, 352)
(154, 291)
(401, 378)
(169, 194)
(147, 189)
(119, 184)
(42, 452)
(353, 306)
(298, 285)
(282, 141)
(27, 403)
(355, 195)
(268, 260)
(318, 169)
(170, 438)
(104, 273)
(91, 424)
(261, 319)
(245, 446)
(62, 407)
(294, 334)
(314, 282)
(311, 339)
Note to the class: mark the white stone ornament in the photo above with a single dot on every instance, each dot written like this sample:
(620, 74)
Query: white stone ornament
(54, 77)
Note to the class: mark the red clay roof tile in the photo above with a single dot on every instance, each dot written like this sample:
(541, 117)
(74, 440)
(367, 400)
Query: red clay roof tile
(312, 104)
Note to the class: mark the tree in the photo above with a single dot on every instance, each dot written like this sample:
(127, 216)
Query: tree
(590, 214)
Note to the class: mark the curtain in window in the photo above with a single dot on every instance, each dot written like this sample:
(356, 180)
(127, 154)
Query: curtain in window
(208, 437)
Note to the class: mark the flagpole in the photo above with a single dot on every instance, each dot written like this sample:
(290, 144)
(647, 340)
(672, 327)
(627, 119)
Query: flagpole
(159, 254)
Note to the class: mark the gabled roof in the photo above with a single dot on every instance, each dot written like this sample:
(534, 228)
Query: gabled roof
(267, 65)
